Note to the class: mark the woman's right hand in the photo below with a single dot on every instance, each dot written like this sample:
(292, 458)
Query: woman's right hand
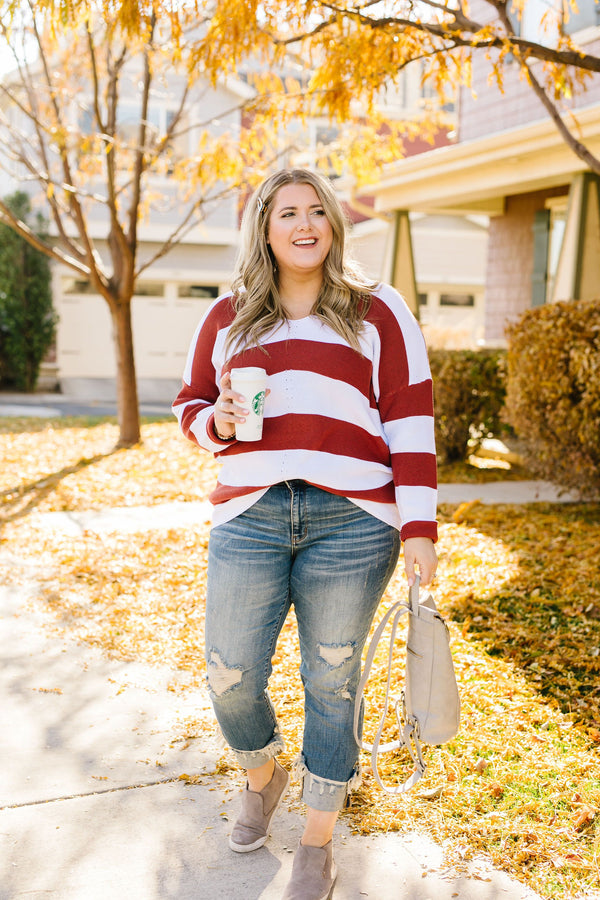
(229, 409)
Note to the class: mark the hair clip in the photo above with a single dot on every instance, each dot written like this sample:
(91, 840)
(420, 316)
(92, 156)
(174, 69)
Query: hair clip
(260, 203)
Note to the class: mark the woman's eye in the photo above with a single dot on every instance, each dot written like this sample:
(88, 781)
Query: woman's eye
(290, 212)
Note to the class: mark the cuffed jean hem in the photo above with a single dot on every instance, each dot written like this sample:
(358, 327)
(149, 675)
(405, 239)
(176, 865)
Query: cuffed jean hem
(323, 793)
(253, 759)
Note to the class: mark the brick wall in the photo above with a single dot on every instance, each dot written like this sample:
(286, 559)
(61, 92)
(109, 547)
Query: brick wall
(510, 261)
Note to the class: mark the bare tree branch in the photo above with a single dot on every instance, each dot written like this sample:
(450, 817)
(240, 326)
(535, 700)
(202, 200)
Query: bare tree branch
(22, 156)
(75, 207)
(571, 141)
(576, 146)
(51, 250)
(139, 160)
(95, 78)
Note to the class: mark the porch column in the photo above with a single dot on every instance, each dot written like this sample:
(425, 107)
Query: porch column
(402, 275)
(578, 271)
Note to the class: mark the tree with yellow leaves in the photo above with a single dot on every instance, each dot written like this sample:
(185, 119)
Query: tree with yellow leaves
(356, 48)
(77, 128)
(298, 58)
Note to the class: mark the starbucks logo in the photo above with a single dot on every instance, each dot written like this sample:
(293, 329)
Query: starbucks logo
(258, 403)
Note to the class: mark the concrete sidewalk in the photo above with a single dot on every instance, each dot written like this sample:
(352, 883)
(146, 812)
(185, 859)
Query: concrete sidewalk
(92, 806)
(188, 513)
(54, 405)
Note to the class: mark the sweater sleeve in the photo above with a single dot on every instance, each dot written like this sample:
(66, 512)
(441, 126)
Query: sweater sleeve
(194, 404)
(404, 391)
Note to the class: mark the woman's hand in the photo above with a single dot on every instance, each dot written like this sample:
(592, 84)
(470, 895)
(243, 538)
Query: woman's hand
(420, 551)
(229, 409)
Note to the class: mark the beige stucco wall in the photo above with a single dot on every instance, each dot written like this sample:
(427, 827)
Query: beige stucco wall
(449, 257)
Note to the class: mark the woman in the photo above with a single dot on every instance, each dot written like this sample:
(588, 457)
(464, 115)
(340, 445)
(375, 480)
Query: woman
(312, 514)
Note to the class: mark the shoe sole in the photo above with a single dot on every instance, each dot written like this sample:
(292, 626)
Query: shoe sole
(247, 848)
(330, 894)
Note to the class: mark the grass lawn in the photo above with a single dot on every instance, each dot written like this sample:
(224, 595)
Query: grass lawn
(520, 586)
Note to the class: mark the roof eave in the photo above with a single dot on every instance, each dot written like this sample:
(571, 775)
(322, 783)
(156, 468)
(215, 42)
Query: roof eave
(475, 176)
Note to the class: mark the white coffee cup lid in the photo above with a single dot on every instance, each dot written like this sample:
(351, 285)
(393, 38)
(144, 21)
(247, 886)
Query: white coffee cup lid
(250, 371)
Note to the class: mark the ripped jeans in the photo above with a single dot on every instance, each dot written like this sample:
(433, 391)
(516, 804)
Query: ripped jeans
(304, 546)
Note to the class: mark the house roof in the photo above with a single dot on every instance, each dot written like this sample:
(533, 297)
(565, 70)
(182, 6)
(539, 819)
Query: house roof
(475, 176)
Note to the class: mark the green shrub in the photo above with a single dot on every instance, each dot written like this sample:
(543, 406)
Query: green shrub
(553, 393)
(27, 319)
(469, 389)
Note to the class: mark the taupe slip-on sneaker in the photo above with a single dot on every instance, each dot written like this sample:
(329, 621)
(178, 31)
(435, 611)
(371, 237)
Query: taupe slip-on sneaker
(313, 874)
(258, 808)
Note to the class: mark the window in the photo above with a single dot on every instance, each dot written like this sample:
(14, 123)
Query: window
(427, 88)
(315, 144)
(77, 286)
(149, 289)
(179, 143)
(198, 291)
(539, 19)
(158, 121)
(587, 16)
(422, 298)
(457, 300)
(325, 141)
(128, 124)
(541, 239)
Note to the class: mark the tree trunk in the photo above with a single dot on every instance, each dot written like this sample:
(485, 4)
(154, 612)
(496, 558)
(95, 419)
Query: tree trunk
(127, 396)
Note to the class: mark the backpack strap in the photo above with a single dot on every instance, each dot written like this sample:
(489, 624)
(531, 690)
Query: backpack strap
(407, 725)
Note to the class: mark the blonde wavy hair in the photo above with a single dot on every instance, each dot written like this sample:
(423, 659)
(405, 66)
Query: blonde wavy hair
(345, 294)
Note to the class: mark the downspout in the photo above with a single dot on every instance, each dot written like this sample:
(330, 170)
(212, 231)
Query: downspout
(396, 235)
(365, 210)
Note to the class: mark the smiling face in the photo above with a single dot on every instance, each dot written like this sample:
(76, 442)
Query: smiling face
(299, 232)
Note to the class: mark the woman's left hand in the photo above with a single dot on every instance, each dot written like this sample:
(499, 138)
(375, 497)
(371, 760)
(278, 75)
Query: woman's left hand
(420, 551)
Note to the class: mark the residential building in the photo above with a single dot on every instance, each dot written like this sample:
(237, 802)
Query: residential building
(175, 290)
(510, 163)
(442, 255)
(173, 293)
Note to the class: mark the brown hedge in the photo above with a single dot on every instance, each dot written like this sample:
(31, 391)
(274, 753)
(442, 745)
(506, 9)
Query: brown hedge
(553, 393)
(469, 390)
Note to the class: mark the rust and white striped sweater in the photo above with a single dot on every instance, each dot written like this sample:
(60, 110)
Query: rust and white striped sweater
(360, 425)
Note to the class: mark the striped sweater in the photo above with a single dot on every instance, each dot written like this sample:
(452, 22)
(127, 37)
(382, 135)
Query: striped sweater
(359, 425)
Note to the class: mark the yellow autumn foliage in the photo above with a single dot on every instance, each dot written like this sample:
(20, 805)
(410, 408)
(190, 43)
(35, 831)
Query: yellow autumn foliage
(520, 783)
(553, 392)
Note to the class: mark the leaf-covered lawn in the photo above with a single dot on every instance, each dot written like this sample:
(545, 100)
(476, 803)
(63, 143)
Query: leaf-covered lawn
(70, 465)
(520, 784)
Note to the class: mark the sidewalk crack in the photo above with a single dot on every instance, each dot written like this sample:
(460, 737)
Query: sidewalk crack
(114, 790)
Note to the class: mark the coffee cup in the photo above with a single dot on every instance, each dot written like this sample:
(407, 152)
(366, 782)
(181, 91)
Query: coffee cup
(251, 383)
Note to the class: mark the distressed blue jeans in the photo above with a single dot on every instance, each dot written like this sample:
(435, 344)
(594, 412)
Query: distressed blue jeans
(332, 560)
